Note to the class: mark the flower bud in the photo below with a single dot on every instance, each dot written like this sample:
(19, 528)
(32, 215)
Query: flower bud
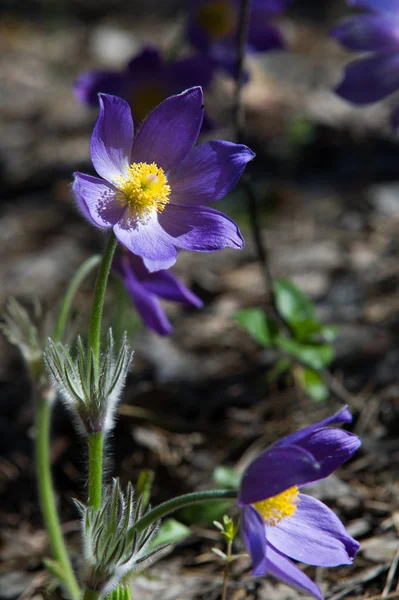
(112, 547)
(90, 394)
(21, 331)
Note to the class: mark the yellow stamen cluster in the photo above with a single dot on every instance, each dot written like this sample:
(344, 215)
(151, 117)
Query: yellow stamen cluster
(278, 507)
(218, 18)
(144, 190)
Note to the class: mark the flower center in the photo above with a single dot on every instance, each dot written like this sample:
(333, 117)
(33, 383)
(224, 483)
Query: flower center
(218, 18)
(144, 190)
(146, 97)
(277, 507)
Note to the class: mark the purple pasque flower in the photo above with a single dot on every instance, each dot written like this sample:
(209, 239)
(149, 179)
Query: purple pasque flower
(278, 522)
(213, 28)
(154, 186)
(146, 288)
(375, 76)
(146, 80)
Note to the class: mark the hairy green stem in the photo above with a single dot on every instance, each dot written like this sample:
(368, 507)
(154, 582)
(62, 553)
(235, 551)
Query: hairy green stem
(171, 506)
(95, 468)
(98, 304)
(96, 440)
(47, 497)
(85, 268)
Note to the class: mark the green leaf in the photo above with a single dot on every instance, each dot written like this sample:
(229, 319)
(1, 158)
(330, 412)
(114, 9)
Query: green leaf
(315, 356)
(254, 320)
(206, 512)
(144, 485)
(312, 383)
(293, 305)
(170, 532)
(226, 477)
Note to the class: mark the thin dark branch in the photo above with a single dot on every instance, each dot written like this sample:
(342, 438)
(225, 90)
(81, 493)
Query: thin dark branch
(335, 387)
(239, 125)
(242, 37)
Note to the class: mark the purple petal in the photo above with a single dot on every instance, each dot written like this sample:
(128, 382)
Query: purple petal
(210, 171)
(276, 470)
(147, 240)
(200, 229)
(146, 64)
(342, 416)
(112, 138)
(88, 85)
(380, 6)
(270, 8)
(253, 533)
(168, 286)
(330, 447)
(170, 131)
(284, 570)
(368, 32)
(313, 535)
(370, 79)
(96, 200)
(147, 304)
(263, 37)
(190, 72)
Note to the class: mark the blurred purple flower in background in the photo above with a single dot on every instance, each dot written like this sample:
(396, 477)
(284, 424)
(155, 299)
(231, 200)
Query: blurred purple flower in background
(279, 522)
(146, 288)
(154, 186)
(213, 26)
(371, 78)
(146, 81)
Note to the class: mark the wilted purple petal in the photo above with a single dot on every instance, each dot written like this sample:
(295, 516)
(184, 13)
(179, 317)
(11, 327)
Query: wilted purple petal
(253, 533)
(276, 470)
(330, 447)
(209, 172)
(380, 6)
(368, 32)
(168, 286)
(170, 131)
(88, 85)
(112, 138)
(147, 304)
(370, 79)
(313, 535)
(200, 229)
(282, 568)
(148, 240)
(96, 200)
(263, 37)
(342, 416)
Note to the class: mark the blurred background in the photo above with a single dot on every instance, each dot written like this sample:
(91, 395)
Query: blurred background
(327, 178)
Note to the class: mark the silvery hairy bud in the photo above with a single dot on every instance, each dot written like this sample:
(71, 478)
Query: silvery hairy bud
(112, 547)
(21, 330)
(92, 397)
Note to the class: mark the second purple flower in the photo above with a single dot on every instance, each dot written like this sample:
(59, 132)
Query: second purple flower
(279, 522)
